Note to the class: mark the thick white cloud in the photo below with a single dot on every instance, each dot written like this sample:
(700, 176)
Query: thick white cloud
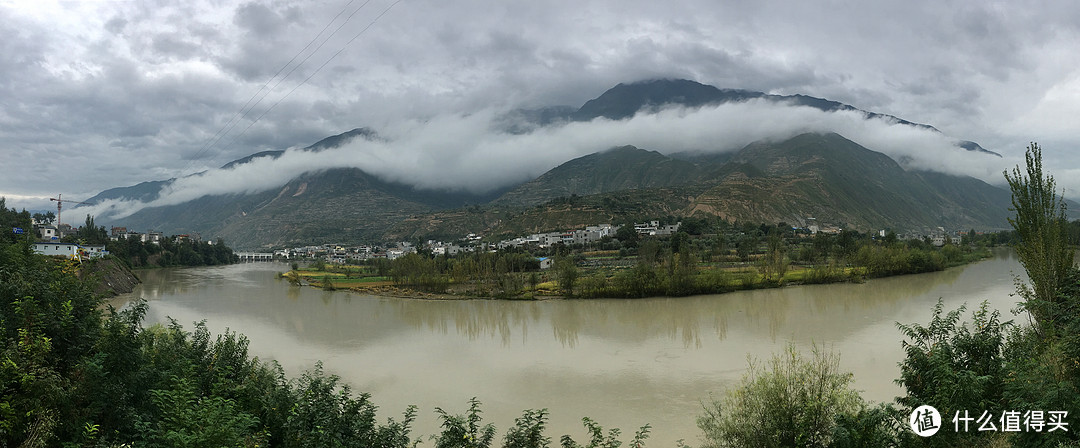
(467, 152)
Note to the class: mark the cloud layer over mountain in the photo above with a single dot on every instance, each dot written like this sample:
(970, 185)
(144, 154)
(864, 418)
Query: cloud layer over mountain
(471, 152)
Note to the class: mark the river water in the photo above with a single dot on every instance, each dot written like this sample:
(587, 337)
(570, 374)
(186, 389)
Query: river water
(624, 363)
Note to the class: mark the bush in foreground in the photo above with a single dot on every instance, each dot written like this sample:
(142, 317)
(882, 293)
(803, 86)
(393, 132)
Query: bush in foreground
(796, 402)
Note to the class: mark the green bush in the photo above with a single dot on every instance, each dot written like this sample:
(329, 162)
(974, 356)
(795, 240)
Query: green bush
(795, 402)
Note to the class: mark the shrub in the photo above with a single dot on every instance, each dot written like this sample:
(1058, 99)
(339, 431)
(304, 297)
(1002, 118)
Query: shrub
(794, 402)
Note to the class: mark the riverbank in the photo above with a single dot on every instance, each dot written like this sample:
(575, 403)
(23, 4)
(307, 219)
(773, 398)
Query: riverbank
(110, 277)
(636, 281)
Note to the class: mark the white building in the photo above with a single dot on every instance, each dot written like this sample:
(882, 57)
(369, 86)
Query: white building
(647, 228)
(69, 250)
(57, 249)
(47, 233)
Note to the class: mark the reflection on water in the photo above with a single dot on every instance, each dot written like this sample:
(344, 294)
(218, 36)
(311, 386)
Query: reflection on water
(622, 362)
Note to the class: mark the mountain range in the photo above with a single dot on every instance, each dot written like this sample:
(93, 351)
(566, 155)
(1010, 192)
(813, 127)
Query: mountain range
(823, 176)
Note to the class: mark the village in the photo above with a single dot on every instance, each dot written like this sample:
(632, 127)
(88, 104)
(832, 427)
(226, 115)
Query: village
(345, 254)
(50, 242)
(51, 239)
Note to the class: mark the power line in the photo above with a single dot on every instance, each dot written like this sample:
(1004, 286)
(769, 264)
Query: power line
(369, 25)
(245, 109)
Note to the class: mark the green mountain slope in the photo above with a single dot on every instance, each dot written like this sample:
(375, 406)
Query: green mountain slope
(499, 221)
(825, 177)
(617, 169)
(332, 206)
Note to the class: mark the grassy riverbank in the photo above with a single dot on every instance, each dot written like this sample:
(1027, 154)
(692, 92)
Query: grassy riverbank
(605, 274)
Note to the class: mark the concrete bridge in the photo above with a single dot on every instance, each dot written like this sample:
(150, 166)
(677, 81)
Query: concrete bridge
(255, 256)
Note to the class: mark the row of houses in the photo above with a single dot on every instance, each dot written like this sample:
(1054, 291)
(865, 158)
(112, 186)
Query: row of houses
(342, 254)
(122, 233)
(654, 228)
(48, 232)
(471, 243)
(588, 235)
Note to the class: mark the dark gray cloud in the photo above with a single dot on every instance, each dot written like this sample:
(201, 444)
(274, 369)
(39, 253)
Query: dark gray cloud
(132, 91)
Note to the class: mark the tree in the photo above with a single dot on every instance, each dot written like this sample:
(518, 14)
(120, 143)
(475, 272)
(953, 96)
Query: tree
(528, 430)
(890, 238)
(10, 219)
(46, 218)
(680, 242)
(627, 235)
(567, 273)
(745, 247)
(464, 431)
(773, 262)
(793, 403)
(846, 244)
(649, 251)
(92, 234)
(1041, 226)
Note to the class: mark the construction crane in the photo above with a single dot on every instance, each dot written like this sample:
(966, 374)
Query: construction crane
(60, 203)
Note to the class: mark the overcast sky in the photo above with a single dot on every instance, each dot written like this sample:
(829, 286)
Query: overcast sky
(103, 93)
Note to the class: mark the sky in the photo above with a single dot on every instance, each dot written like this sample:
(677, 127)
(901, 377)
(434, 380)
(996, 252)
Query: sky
(96, 94)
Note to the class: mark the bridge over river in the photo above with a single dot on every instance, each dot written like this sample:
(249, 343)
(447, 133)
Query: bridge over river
(255, 256)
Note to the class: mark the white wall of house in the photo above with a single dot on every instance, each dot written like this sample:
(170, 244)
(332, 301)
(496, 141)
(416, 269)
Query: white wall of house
(60, 249)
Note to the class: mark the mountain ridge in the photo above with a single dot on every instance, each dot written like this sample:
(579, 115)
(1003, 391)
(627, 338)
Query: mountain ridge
(625, 100)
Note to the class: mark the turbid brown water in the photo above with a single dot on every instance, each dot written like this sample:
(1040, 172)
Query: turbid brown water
(623, 363)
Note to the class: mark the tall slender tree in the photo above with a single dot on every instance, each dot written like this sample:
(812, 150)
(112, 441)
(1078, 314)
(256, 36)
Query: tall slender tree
(1040, 223)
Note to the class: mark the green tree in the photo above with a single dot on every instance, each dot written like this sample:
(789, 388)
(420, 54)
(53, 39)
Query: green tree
(680, 242)
(1042, 228)
(746, 245)
(795, 402)
(92, 234)
(682, 268)
(10, 219)
(846, 245)
(188, 420)
(464, 431)
(528, 431)
(597, 439)
(890, 238)
(627, 235)
(953, 366)
(567, 274)
(773, 264)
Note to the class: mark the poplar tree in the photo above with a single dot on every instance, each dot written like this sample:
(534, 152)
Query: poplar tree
(1040, 223)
